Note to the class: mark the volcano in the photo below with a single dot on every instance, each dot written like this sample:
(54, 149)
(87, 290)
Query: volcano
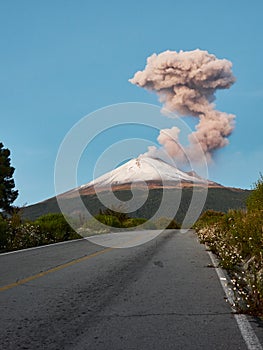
(138, 173)
(141, 171)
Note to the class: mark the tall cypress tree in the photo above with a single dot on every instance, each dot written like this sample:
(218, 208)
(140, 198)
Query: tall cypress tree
(7, 184)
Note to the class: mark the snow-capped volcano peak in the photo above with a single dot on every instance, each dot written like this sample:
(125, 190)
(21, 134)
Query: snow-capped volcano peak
(145, 169)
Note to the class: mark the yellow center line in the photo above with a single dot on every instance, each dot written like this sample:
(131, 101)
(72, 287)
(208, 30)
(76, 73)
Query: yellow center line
(54, 269)
(60, 267)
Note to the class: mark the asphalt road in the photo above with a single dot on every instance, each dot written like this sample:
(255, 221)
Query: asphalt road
(78, 295)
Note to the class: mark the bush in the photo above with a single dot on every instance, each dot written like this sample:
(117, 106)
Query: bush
(56, 228)
(255, 199)
(115, 212)
(164, 222)
(26, 235)
(51, 228)
(209, 217)
(133, 222)
(108, 220)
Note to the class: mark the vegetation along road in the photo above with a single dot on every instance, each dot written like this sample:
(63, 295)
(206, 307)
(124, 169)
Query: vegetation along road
(162, 294)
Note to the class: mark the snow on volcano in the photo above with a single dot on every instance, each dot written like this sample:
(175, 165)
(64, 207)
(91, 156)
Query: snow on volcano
(145, 169)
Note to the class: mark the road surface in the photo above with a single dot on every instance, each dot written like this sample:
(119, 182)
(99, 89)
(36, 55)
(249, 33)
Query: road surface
(78, 295)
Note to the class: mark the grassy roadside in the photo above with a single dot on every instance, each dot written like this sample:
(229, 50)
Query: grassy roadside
(236, 238)
(16, 234)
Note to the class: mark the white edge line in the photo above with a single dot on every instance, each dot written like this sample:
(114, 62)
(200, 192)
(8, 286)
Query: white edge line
(244, 326)
(41, 246)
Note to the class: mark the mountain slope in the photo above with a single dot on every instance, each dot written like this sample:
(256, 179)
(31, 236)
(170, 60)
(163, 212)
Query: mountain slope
(155, 172)
(159, 176)
(221, 199)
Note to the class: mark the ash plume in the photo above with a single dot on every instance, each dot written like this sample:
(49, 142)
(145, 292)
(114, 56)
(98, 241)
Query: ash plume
(186, 83)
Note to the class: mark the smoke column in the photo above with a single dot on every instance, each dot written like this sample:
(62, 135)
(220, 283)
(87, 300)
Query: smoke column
(186, 83)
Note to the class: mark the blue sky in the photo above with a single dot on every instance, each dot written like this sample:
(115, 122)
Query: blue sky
(61, 60)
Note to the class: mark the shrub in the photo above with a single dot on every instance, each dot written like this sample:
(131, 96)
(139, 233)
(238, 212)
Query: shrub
(164, 222)
(255, 199)
(55, 227)
(209, 217)
(116, 212)
(108, 220)
(133, 222)
(26, 235)
(51, 228)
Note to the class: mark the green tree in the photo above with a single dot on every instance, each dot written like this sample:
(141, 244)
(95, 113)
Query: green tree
(7, 184)
(255, 199)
